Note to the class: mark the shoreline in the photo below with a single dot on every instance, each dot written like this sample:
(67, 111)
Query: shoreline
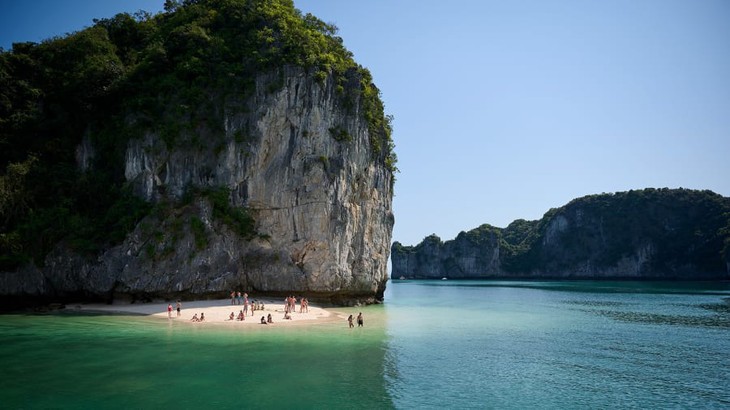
(217, 311)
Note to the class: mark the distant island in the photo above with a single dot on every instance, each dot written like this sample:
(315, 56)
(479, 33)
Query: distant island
(668, 234)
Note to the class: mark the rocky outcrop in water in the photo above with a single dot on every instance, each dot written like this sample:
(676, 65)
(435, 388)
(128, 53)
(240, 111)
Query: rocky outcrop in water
(217, 146)
(645, 234)
(322, 209)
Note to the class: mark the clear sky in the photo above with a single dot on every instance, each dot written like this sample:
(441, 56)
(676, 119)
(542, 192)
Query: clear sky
(505, 109)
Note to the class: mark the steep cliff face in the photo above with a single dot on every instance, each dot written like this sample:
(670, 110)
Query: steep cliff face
(215, 146)
(322, 207)
(649, 234)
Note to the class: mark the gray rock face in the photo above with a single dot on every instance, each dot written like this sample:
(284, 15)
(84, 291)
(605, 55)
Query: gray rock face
(649, 234)
(322, 206)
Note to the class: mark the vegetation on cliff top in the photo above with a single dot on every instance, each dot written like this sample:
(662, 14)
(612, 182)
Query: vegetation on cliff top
(168, 73)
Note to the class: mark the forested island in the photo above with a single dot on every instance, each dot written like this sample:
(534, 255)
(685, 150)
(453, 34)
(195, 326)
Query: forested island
(218, 145)
(640, 234)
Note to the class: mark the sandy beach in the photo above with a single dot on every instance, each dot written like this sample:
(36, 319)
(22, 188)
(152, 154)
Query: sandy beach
(217, 311)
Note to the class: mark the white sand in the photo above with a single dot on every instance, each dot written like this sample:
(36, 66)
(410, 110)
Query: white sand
(217, 311)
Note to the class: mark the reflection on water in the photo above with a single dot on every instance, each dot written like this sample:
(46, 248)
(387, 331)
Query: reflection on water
(589, 286)
(594, 303)
(721, 308)
(624, 311)
(673, 320)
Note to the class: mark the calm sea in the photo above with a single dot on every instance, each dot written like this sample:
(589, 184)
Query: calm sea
(433, 344)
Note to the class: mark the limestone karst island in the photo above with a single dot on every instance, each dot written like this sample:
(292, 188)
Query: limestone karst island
(217, 145)
(228, 145)
(656, 234)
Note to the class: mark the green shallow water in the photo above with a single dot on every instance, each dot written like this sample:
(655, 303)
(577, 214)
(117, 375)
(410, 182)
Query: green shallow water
(438, 344)
(86, 361)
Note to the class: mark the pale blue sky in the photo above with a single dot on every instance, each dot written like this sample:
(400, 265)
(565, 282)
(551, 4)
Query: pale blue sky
(506, 109)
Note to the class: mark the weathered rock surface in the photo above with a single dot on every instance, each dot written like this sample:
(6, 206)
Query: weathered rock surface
(322, 208)
(648, 234)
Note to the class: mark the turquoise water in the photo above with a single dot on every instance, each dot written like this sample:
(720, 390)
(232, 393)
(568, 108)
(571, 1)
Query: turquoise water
(439, 344)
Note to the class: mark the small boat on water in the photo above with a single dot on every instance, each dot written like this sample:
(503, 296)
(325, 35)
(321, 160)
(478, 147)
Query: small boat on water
(444, 278)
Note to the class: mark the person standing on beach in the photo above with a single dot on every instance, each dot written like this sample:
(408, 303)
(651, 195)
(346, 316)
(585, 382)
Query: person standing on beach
(169, 310)
(179, 306)
(349, 320)
(359, 320)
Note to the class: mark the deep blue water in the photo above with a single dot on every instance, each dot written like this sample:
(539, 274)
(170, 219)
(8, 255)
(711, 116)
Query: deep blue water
(437, 344)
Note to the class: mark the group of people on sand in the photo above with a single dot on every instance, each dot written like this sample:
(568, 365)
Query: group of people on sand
(238, 299)
(169, 309)
(241, 316)
(242, 299)
(290, 305)
(360, 321)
